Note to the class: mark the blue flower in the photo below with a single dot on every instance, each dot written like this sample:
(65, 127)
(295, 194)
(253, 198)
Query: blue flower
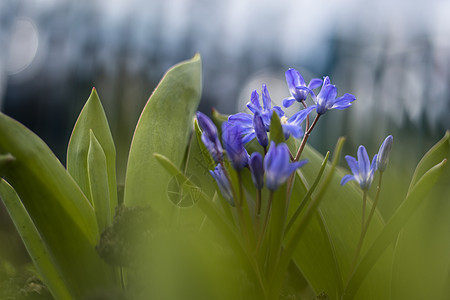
(298, 88)
(326, 99)
(383, 153)
(291, 126)
(277, 165)
(257, 170)
(223, 183)
(232, 141)
(210, 137)
(362, 169)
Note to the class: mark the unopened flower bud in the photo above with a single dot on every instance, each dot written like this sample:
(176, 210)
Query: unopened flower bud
(384, 153)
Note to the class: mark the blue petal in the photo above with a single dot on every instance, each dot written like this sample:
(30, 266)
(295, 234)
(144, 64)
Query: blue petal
(294, 130)
(260, 130)
(241, 118)
(353, 164)
(373, 166)
(293, 80)
(301, 115)
(314, 83)
(326, 98)
(347, 178)
(279, 111)
(267, 101)
(344, 101)
(363, 162)
(254, 104)
(247, 138)
(288, 101)
(257, 170)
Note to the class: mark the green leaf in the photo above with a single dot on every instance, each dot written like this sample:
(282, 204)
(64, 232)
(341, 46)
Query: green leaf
(92, 117)
(164, 127)
(5, 160)
(39, 253)
(421, 262)
(218, 119)
(431, 158)
(276, 130)
(307, 196)
(205, 161)
(98, 182)
(219, 220)
(393, 227)
(60, 211)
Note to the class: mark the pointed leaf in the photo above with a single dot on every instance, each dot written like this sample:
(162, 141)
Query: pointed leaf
(92, 117)
(431, 158)
(421, 262)
(276, 130)
(98, 183)
(163, 127)
(60, 211)
(39, 253)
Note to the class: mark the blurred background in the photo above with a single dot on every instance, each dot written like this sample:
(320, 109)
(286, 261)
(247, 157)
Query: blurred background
(394, 56)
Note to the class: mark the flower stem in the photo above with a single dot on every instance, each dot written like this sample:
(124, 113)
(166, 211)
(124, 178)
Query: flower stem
(307, 117)
(365, 227)
(375, 203)
(305, 137)
(361, 239)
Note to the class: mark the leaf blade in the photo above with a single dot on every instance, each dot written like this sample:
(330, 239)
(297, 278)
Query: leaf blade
(163, 127)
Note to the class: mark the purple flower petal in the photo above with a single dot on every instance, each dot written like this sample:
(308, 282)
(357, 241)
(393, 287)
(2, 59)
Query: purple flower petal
(315, 83)
(347, 178)
(353, 164)
(288, 102)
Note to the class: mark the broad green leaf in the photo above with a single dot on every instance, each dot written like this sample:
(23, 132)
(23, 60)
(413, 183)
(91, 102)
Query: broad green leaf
(60, 211)
(390, 232)
(421, 262)
(431, 158)
(164, 127)
(98, 183)
(92, 117)
(39, 253)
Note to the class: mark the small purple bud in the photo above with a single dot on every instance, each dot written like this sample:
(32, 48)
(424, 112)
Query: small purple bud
(384, 153)
(207, 125)
(260, 130)
(232, 141)
(257, 170)
(209, 136)
(223, 183)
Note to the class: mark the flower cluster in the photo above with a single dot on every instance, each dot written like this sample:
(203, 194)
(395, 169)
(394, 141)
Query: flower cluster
(260, 212)
(241, 128)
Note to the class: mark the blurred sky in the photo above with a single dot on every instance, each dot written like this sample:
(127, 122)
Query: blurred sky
(394, 56)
